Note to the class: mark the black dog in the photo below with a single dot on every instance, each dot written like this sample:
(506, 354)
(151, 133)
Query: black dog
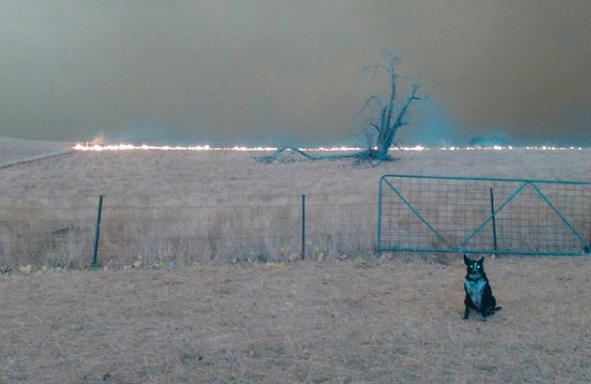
(479, 295)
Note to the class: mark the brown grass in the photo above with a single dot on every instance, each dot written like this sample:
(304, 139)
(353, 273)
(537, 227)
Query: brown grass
(394, 319)
(199, 206)
(191, 174)
(306, 322)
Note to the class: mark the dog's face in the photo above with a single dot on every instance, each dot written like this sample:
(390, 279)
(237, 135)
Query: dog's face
(475, 268)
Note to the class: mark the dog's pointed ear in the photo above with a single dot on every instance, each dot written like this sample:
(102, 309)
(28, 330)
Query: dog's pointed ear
(466, 260)
(481, 260)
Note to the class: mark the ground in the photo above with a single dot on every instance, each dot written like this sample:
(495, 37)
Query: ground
(394, 320)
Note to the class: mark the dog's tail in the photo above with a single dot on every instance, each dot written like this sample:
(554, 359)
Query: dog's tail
(497, 308)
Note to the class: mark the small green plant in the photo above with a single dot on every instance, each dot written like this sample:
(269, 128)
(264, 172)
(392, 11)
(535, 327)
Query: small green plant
(25, 269)
(360, 260)
(159, 264)
(318, 254)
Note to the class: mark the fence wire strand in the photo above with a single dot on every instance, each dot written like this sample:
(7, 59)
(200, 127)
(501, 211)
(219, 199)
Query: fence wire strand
(45, 229)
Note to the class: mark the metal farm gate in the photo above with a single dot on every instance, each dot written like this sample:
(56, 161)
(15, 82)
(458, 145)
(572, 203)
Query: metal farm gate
(484, 215)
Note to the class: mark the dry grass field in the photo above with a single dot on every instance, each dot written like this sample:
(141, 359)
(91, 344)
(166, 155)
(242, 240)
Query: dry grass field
(203, 206)
(161, 173)
(205, 315)
(306, 322)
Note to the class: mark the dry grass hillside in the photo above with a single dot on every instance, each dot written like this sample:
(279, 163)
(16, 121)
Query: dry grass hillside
(161, 173)
(197, 206)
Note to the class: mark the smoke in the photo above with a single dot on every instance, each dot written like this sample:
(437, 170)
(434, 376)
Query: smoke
(432, 124)
(289, 72)
(151, 132)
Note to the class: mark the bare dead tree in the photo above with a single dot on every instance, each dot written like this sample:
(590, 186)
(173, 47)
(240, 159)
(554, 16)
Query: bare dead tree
(383, 120)
(383, 123)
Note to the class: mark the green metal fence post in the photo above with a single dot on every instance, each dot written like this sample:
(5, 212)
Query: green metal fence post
(588, 247)
(303, 254)
(494, 221)
(379, 239)
(97, 233)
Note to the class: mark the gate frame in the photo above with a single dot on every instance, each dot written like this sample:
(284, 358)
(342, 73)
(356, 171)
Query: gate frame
(525, 182)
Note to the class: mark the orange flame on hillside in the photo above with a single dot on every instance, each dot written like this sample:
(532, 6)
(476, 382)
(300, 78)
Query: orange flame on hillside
(98, 146)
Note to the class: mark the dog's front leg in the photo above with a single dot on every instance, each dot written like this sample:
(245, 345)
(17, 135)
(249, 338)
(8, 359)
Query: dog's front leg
(467, 311)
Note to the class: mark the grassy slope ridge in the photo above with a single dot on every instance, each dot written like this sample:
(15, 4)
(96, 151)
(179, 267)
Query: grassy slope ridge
(14, 151)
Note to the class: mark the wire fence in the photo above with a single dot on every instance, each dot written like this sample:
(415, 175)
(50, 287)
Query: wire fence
(63, 230)
(431, 214)
(484, 215)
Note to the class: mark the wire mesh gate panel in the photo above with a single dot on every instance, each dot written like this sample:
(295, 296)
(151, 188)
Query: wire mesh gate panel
(483, 215)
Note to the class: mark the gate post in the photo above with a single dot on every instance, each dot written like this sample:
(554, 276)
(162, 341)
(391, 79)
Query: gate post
(494, 221)
(97, 233)
(588, 247)
(303, 254)
(379, 239)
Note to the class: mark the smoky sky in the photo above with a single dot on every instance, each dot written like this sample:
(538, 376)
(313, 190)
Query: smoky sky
(287, 71)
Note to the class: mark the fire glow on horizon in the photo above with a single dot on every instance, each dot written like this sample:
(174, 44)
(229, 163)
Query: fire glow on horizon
(145, 147)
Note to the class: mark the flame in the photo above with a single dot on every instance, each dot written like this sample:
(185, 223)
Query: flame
(97, 146)
(100, 147)
(129, 147)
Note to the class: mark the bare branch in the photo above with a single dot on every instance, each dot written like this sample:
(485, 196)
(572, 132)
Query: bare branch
(375, 69)
(374, 125)
(367, 104)
(398, 123)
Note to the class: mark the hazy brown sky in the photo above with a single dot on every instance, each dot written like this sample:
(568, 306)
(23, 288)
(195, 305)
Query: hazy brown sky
(278, 71)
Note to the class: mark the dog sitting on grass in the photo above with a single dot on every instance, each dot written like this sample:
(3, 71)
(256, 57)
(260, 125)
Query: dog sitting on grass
(479, 295)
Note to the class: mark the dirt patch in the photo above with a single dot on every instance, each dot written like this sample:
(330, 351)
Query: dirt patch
(308, 322)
